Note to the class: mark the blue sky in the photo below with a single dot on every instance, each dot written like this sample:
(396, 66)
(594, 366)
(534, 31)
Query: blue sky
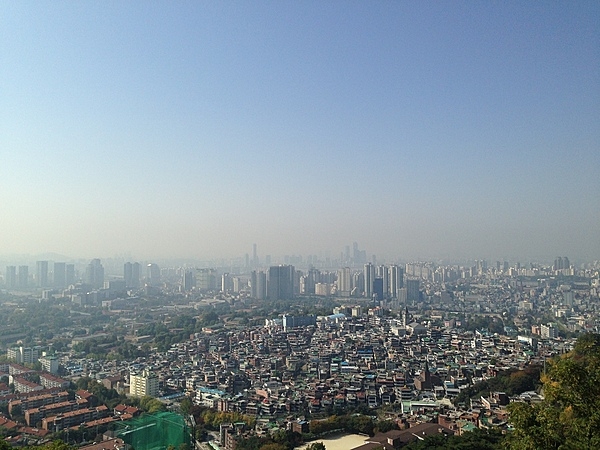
(194, 129)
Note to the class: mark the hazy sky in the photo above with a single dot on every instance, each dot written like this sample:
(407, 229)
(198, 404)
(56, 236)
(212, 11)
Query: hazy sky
(195, 129)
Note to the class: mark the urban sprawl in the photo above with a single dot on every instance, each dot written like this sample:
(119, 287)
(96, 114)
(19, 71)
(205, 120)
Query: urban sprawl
(286, 343)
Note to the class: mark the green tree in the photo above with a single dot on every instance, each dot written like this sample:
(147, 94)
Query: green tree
(569, 417)
(273, 446)
(316, 446)
(186, 406)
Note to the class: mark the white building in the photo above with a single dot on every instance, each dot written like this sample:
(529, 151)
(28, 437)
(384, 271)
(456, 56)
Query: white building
(49, 364)
(23, 355)
(143, 384)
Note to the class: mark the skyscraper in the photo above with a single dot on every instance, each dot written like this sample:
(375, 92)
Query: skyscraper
(393, 281)
(383, 273)
(59, 274)
(412, 290)
(369, 271)
(260, 279)
(131, 274)
(23, 277)
(206, 279)
(254, 256)
(344, 281)
(226, 282)
(153, 274)
(94, 274)
(69, 274)
(10, 281)
(280, 282)
(188, 280)
(41, 275)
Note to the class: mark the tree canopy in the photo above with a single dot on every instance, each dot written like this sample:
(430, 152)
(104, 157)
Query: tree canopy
(569, 416)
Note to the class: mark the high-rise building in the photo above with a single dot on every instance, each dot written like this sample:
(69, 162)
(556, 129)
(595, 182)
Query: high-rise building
(258, 285)
(23, 277)
(412, 290)
(255, 261)
(226, 282)
(206, 279)
(369, 271)
(59, 275)
(127, 273)
(378, 288)
(396, 280)
(280, 282)
(153, 274)
(94, 274)
(132, 274)
(70, 274)
(24, 355)
(344, 282)
(143, 384)
(10, 281)
(309, 281)
(188, 280)
(50, 364)
(41, 275)
(384, 274)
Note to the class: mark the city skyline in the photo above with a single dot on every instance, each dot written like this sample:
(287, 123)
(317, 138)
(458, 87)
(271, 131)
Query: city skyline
(191, 131)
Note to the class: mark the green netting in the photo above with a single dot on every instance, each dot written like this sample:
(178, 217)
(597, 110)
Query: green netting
(154, 431)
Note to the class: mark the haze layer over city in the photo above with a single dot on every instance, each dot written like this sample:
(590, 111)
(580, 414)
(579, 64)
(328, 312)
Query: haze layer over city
(463, 130)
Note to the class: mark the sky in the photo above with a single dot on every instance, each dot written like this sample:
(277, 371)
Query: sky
(163, 129)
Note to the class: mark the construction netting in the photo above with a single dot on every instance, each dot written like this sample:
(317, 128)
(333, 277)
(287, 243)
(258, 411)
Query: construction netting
(157, 431)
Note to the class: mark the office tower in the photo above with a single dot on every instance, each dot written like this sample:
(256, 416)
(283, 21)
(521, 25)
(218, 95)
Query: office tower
(412, 290)
(127, 273)
(94, 274)
(136, 275)
(280, 282)
(261, 285)
(369, 271)
(153, 274)
(11, 277)
(378, 288)
(69, 274)
(23, 277)
(254, 256)
(60, 274)
(253, 284)
(344, 282)
(188, 280)
(41, 275)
